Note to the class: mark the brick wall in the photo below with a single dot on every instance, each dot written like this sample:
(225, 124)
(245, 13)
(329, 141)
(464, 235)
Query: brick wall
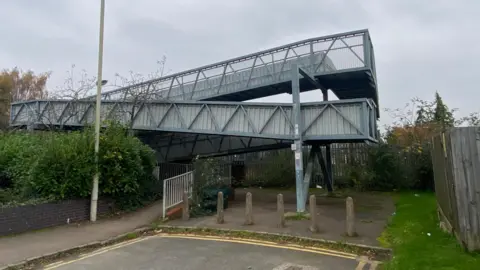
(33, 217)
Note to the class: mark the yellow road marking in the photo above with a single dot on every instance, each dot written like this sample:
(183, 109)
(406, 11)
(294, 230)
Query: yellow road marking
(109, 247)
(360, 265)
(321, 251)
(98, 252)
(261, 242)
(266, 244)
(53, 264)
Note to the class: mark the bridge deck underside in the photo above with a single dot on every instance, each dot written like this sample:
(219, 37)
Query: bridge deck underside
(357, 83)
(182, 147)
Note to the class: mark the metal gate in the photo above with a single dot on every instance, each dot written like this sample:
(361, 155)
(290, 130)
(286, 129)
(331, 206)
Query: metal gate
(173, 189)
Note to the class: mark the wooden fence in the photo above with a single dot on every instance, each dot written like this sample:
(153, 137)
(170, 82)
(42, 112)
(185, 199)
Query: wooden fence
(456, 165)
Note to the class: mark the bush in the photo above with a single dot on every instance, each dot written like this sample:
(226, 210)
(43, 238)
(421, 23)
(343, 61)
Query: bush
(389, 167)
(61, 166)
(209, 179)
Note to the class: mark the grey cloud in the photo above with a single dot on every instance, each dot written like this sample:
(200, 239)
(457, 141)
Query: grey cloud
(420, 46)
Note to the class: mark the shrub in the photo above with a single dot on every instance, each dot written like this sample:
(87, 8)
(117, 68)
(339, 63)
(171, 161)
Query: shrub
(209, 179)
(61, 165)
(390, 167)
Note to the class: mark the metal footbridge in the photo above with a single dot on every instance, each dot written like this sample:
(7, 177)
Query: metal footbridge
(201, 111)
(181, 114)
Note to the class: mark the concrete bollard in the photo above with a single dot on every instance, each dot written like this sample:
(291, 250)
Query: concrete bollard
(350, 219)
(220, 215)
(280, 211)
(313, 214)
(248, 209)
(185, 210)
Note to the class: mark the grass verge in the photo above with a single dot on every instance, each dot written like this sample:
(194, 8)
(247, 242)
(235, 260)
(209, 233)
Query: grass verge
(418, 242)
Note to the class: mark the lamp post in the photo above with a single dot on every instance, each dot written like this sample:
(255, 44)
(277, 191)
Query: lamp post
(100, 82)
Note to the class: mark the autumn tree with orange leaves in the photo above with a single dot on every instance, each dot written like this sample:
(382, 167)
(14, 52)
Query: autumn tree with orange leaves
(18, 85)
(409, 138)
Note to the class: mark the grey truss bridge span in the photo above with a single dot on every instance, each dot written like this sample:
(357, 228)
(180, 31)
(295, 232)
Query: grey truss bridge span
(328, 121)
(344, 63)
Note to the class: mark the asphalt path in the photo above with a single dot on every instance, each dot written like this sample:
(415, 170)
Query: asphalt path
(202, 253)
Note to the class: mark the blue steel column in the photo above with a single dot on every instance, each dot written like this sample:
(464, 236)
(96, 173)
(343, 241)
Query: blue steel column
(297, 121)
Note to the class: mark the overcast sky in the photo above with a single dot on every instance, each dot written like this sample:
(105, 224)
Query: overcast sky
(420, 46)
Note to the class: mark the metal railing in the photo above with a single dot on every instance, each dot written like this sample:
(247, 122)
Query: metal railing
(173, 189)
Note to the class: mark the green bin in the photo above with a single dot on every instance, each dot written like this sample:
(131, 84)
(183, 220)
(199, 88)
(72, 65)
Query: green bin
(211, 197)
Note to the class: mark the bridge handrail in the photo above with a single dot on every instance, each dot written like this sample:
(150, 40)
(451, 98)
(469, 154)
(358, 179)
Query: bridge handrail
(366, 44)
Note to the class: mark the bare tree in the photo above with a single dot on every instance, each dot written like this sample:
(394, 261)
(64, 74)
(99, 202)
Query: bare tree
(136, 96)
(473, 119)
(77, 85)
(78, 88)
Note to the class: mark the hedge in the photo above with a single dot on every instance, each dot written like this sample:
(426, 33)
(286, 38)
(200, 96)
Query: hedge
(60, 165)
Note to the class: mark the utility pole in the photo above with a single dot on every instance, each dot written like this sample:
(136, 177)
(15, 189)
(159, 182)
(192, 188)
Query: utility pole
(96, 177)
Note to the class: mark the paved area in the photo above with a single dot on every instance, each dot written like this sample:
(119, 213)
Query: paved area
(182, 252)
(14, 249)
(372, 212)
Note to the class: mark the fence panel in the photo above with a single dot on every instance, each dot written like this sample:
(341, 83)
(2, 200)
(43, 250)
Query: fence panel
(444, 186)
(173, 189)
(456, 164)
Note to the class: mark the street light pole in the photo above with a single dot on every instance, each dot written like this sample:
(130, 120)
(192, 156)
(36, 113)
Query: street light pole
(94, 200)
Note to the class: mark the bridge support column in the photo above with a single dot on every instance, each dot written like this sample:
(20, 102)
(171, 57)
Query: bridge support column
(308, 172)
(298, 143)
(326, 166)
(328, 155)
(323, 166)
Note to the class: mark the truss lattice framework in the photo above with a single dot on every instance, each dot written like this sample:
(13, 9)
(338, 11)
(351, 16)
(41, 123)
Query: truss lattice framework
(323, 55)
(353, 118)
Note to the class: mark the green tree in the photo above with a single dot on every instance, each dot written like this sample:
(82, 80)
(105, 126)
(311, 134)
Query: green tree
(443, 117)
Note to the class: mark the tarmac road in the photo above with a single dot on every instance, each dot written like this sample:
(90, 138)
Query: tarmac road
(209, 253)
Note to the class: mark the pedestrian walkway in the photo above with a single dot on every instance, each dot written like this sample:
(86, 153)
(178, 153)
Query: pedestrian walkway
(14, 249)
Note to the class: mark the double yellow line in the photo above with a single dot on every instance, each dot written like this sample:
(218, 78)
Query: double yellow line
(322, 251)
(96, 252)
(362, 261)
